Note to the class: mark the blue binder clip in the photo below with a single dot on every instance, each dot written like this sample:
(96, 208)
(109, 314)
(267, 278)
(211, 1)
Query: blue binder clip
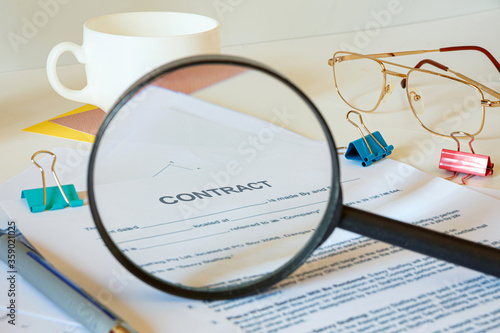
(50, 198)
(369, 148)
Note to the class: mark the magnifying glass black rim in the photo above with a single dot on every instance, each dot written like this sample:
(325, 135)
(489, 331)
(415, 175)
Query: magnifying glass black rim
(324, 229)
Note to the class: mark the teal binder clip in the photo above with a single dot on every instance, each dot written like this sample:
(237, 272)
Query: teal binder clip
(369, 148)
(50, 198)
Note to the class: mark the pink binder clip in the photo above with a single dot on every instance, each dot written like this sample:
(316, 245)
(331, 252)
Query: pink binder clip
(463, 162)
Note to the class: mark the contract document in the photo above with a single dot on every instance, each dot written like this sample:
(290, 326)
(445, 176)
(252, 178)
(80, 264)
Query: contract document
(350, 283)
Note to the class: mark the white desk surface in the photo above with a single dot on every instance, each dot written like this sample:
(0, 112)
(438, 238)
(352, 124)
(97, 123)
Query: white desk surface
(26, 98)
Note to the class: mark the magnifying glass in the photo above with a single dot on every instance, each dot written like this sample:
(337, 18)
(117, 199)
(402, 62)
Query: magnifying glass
(215, 177)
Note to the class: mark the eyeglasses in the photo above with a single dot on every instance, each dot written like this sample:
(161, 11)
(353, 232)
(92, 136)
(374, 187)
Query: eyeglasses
(441, 103)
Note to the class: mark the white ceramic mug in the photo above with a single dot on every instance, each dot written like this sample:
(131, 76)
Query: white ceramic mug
(118, 49)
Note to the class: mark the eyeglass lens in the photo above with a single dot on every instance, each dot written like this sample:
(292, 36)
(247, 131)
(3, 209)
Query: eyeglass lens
(444, 105)
(360, 82)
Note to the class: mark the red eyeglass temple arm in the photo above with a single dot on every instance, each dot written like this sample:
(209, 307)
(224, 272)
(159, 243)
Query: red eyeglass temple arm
(473, 48)
(433, 63)
(443, 49)
(468, 79)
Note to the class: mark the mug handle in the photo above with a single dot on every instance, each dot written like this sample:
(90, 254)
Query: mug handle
(82, 95)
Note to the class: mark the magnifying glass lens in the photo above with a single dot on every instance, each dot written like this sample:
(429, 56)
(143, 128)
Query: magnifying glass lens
(213, 177)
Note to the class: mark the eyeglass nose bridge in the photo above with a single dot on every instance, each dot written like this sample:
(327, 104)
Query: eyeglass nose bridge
(393, 73)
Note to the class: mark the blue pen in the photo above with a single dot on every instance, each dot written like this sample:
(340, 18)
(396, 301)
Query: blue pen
(21, 257)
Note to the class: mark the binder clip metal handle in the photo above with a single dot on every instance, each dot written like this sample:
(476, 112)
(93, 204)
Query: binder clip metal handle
(471, 163)
(55, 197)
(369, 148)
(53, 173)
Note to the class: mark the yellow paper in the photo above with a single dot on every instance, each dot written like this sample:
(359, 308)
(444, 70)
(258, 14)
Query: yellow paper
(49, 128)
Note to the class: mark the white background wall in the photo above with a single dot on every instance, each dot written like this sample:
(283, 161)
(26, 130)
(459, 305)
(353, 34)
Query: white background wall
(30, 28)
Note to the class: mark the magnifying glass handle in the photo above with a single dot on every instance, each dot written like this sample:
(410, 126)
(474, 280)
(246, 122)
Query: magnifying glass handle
(484, 259)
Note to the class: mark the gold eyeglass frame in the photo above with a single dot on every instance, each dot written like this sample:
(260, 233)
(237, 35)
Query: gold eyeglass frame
(340, 56)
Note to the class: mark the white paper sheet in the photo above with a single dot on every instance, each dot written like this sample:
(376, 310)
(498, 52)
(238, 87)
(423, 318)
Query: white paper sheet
(27, 322)
(350, 283)
(242, 128)
(494, 193)
(159, 127)
(24, 308)
(356, 284)
(187, 231)
(86, 261)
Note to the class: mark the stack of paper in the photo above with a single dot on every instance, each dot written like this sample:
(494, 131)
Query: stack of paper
(350, 284)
